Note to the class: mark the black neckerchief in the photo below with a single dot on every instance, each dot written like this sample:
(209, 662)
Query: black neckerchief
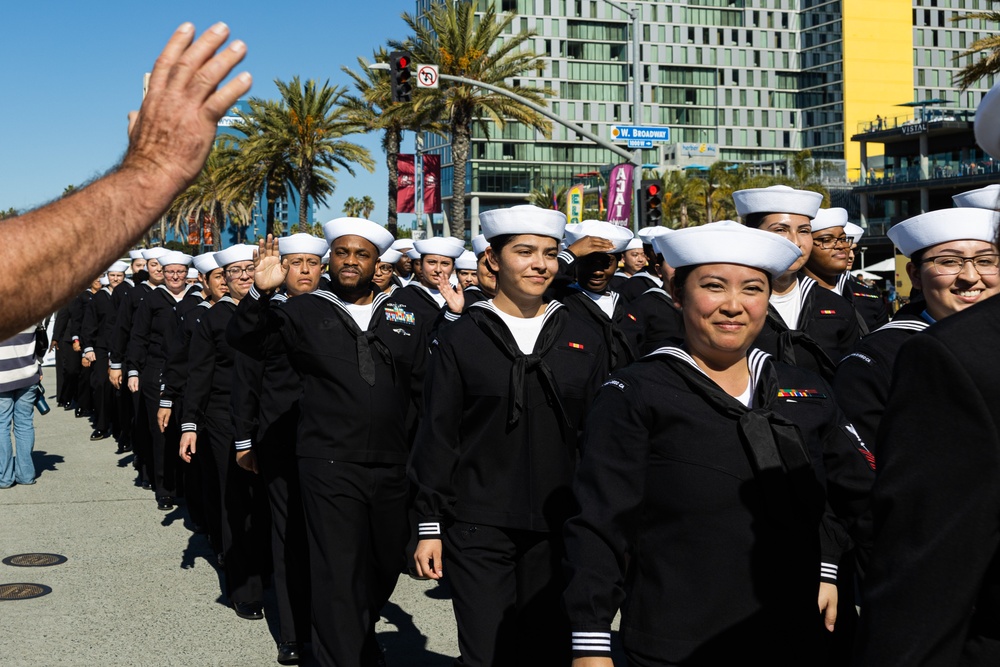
(618, 344)
(486, 318)
(773, 444)
(365, 340)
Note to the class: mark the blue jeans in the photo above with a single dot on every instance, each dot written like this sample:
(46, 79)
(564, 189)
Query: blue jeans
(18, 407)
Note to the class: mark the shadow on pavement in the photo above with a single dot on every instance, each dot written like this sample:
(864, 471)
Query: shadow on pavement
(407, 646)
(45, 462)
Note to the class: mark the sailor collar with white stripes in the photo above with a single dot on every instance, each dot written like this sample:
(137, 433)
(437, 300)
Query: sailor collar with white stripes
(378, 300)
(756, 360)
(550, 307)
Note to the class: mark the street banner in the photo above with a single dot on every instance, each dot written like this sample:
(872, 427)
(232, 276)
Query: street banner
(406, 186)
(432, 183)
(574, 204)
(620, 195)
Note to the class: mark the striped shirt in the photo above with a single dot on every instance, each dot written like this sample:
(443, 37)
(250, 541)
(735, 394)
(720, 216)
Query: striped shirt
(18, 366)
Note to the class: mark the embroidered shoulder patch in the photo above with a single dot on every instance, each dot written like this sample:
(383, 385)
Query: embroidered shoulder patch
(800, 393)
(617, 384)
(396, 313)
(863, 357)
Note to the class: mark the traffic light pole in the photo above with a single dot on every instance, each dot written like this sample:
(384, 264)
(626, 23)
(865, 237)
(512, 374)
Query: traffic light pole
(634, 157)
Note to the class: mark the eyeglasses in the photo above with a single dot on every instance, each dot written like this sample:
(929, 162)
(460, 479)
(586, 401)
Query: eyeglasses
(174, 274)
(831, 242)
(950, 265)
(236, 272)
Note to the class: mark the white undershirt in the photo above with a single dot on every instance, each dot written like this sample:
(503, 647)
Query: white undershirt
(525, 330)
(604, 301)
(789, 305)
(362, 314)
(747, 394)
(436, 294)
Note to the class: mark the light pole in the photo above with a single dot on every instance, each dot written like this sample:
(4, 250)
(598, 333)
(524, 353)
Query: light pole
(635, 15)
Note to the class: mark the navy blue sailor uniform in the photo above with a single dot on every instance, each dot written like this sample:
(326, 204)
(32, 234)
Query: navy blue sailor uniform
(652, 320)
(154, 329)
(126, 297)
(931, 593)
(265, 403)
(717, 508)
(95, 336)
(83, 394)
(868, 301)
(826, 332)
(493, 464)
(616, 343)
(639, 284)
(242, 503)
(351, 447)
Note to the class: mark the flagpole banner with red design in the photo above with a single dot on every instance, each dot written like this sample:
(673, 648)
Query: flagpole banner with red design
(406, 186)
(432, 183)
(620, 195)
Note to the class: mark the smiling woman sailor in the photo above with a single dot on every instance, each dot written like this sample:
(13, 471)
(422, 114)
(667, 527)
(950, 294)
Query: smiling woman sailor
(496, 450)
(701, 482)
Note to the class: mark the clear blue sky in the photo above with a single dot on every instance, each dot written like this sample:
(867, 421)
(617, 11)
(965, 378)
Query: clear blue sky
(70, 71)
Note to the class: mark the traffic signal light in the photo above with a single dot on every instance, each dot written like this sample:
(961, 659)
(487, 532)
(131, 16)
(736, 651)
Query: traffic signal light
(399, 75)
(650, 202)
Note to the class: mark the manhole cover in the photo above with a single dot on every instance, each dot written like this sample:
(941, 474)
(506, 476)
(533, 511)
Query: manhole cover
(34, 560)
(23, 591)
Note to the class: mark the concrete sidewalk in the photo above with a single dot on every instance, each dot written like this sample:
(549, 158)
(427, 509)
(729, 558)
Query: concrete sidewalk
(138, 587)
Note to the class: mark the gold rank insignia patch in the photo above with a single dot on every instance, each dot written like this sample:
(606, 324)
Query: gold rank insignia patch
(800, 393)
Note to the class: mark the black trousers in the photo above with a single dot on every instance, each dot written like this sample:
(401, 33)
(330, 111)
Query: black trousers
(289, 544)
(70, 362)
(245, 516)
(163, 463)
(507, 594)
(356, 521)
(104, 399)
(126, 414)
(84, 392)
(142, 444)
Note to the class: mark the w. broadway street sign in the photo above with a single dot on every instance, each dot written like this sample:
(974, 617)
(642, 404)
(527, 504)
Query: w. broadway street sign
(633, 132)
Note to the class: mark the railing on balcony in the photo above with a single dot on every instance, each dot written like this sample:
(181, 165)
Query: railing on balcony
(940, 169)
(929, 116)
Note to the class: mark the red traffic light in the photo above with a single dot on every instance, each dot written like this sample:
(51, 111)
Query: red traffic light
(652, 190)
(403, 61)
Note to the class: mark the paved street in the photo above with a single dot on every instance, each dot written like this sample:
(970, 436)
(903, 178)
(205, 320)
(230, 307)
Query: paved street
(138, 588)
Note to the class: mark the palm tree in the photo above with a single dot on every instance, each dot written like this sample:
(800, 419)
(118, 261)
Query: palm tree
(683, 200)
(302, 133)
(352, 207)
(549, 197)
(988, 49)
(372, 110)
(451, 36)
(261, 168)
(211, 198)
(367, 206)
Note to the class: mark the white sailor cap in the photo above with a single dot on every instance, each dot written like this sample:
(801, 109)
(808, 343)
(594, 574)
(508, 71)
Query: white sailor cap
(402, 244)
(446, 246)
(205, 263)
(104, 280)
(412, 254)
(986, 124)
(854, 232)
(522, 219)
(391, 256)
(466, 261)
(378, 235)
(950, 224)
(135, 254)
(656, 240)
(174, 257)
(118, 267)
(192, 273)
(728, 242)
(326, 257)
(242, 252)
(634, 244)
(153, 253)
(777, 199)
(302, 243)
(618, 235)
(988, 197)
(647, 234)
(829, 217)
(480, 244)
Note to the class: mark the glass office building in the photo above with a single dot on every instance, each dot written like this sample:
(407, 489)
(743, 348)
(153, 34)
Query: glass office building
(756, 80)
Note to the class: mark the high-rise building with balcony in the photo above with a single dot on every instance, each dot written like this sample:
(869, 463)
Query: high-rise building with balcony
(743, 80)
